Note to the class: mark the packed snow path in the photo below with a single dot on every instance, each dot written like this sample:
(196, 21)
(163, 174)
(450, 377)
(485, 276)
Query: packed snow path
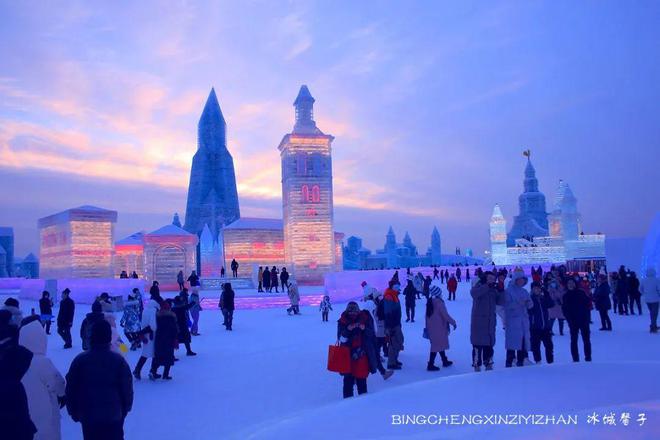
(268, 379)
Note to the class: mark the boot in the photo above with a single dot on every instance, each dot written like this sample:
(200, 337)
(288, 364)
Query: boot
(489, 367)
(136, 375)
(431, 367)
(191, 353)
(153, 375)
(477, 368)
(447, 363)
(387, 374)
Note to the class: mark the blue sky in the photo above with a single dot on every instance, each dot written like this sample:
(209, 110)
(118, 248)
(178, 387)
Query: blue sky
(431, 104)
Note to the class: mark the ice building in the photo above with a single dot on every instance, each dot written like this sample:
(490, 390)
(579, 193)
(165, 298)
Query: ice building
(167, 251)
(537, 237)
(651, 252)
(129, 255)
(77, 243)
(6, 251)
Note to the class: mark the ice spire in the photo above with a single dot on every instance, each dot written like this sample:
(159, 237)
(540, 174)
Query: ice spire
(212, 129)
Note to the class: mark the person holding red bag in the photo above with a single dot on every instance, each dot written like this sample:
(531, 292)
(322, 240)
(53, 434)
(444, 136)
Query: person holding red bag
(350, 333)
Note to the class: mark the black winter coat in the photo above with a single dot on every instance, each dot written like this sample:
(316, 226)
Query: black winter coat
(46, 306)
(227, 300)
(575, 305)
(86, 328)
(266, 278)
(181, 313)
(538, 314)
(15, 422)
(602, 297)
(99, 387)
(166, 338)
(410, 293)
(65, 315)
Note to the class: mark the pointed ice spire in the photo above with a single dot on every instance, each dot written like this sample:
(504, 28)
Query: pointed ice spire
(206, 238)
(304, 105)
(531, 183)
(175, 220)
(407, 239)
(211, 130)
(497, 213)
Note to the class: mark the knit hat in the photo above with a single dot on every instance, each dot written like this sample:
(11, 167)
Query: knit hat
(11, 302)
(101, 333)
(435, 291)
(67, 291)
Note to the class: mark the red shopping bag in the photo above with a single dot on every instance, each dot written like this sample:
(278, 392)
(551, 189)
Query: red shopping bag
(339, 359)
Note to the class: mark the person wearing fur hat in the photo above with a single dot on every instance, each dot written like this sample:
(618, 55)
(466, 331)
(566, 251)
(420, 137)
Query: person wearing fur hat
(540, 323)
(410, 295)
(65, 318)
(392, 318)
(99, 389)
(650, 289)
(438, 321)
(577, 313)
(351, 326)
(294, 298)
(15, 360)
(602, 302)
(517, 302)
(483, 320)
(44, 385)
(86, 327)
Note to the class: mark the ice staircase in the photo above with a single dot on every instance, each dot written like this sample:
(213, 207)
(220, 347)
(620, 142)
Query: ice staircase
(236, 283)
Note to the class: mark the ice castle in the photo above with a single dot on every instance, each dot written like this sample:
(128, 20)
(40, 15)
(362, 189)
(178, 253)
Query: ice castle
(539, 237)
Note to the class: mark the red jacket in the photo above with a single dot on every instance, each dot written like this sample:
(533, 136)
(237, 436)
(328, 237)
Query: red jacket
(452, 284)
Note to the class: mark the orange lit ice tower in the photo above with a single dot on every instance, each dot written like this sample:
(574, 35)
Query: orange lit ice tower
(307, 195)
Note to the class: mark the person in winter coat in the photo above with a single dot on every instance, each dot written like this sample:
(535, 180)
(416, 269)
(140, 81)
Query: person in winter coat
(650, 289)
(371, 346)
(378, 312)
(540, 325)
(602, 302)
(260, 279)
(274, 279)
(284, 278)
(234, 268)
(435, 274)
(350, 333)
(149, 326)
(193, 279)
(517, 302)
(556, 291)
(65, 318)
(130, 321)
(485, 297)
(99, 388)
(86, 327)
(195, 308)
(15, 360)
(227, 305)
(467, 275)
(426, 287)
(180, 280)
(634, 294)
(154, 292)
(294, 298)
(44, 385)
(325, 308)
(614, 285)
(418, 282)
(438, 321)
(267, 279)
(392, 315)
(165, 342)
(458, 274)
(410, 294)
(452, 285)
(622, 293)
(576, 311)
(46, 310)
(134, 275)
(180, 309)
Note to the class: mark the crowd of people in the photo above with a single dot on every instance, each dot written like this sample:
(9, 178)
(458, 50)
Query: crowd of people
(527, 312)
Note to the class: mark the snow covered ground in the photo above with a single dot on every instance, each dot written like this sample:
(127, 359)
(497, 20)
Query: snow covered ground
(268, 379)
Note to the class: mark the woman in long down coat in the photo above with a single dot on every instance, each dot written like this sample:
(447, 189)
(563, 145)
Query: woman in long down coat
(350, 333)
(517, 302)
(148, 333)
(438, 321)
(180, 309)
(164, 342)
(44, 385)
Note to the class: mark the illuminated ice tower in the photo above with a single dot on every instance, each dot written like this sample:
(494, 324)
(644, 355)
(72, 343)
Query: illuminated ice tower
(532, 219)
(498, 236)
(307, 195)
(212, 194)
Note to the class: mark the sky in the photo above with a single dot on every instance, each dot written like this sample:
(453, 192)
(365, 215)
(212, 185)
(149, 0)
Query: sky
(431, 104)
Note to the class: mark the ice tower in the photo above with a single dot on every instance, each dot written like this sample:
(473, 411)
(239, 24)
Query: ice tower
(532, 220)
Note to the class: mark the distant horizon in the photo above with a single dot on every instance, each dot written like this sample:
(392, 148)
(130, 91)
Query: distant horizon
(431, 107)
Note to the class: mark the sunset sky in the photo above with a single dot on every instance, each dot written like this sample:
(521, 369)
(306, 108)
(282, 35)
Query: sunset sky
(431, 104)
